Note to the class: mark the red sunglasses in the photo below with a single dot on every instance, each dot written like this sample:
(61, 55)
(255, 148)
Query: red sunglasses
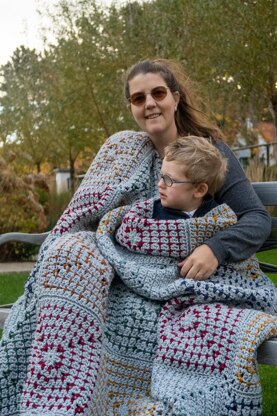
(157, 93)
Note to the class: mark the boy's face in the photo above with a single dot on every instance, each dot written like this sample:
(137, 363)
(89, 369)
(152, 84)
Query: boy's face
(182, 196)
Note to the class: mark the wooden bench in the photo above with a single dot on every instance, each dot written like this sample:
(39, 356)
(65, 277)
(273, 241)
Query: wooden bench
(267, 192)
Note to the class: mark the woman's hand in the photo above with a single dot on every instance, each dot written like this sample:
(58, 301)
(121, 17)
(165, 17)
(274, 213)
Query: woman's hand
(200, 264)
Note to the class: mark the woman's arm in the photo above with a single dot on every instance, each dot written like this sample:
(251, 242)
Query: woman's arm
(243, 239)
(239, 241)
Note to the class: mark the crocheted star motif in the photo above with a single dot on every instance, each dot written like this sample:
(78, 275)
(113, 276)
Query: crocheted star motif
(134, 238)
(50, 357)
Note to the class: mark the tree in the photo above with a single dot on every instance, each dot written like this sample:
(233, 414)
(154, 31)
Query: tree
(237, 43)
(24, 104)
(70, 97)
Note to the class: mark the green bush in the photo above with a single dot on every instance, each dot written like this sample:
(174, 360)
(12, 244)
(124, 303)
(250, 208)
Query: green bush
(20, 211)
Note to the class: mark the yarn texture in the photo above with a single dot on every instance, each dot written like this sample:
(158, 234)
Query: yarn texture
(107, 326)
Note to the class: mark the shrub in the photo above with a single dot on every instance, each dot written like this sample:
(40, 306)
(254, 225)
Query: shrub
(257, 171)
(20, 211)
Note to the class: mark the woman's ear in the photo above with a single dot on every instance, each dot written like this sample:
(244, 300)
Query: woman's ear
(176, 96)
(201, 190)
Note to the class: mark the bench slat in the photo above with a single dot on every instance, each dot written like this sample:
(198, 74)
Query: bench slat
(267, 352)
(36, 239)
(268, 268)
(267, 192)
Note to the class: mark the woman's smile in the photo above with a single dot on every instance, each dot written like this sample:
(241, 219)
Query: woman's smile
(152, 116)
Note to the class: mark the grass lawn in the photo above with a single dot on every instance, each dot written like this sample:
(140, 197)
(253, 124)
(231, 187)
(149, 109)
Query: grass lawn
(12, 286)
(269, 256)
(268, 374)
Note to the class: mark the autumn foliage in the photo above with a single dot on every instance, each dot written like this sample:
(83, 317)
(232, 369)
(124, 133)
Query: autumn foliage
(19, 208)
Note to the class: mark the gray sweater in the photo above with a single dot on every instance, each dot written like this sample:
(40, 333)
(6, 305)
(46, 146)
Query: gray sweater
(243, 239)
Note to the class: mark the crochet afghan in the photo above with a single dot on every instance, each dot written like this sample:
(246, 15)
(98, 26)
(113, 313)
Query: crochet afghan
(107, 326)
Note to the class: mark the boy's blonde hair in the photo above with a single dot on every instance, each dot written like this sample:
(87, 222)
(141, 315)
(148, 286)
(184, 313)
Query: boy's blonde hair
(202, 161)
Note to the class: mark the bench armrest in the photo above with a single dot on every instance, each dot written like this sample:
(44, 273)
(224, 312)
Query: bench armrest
(36, 239)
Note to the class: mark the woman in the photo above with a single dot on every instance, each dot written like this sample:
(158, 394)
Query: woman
(176, 115)
(80, 341)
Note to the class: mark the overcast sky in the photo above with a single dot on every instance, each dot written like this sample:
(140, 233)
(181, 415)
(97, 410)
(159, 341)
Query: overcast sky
(19, 24)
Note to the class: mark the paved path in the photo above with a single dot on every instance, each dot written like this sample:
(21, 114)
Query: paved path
(16, 267)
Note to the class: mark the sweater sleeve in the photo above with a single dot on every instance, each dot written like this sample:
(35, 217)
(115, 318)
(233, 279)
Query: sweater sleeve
(243, 239)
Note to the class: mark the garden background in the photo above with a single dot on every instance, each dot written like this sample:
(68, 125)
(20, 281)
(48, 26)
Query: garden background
(58, 105)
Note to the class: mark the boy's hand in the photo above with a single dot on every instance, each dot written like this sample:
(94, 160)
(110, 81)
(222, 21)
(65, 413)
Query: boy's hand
(200, 264)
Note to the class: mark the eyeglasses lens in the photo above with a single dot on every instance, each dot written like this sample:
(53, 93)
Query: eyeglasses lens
(159, 93)
(139, 98)
(167, 180)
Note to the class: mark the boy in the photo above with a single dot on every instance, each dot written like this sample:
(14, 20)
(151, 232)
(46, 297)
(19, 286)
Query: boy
(193, 170)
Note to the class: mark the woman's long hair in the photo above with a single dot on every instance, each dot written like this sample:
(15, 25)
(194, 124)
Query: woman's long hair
(190, 120)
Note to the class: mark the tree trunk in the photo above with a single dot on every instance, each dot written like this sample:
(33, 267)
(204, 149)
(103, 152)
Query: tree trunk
(273, 108)
(72, 176)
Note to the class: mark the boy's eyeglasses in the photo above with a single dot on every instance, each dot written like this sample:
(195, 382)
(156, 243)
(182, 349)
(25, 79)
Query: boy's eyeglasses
(157, 93)
(169, 181)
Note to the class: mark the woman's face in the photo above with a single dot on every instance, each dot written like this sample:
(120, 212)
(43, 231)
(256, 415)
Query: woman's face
(156, 117)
